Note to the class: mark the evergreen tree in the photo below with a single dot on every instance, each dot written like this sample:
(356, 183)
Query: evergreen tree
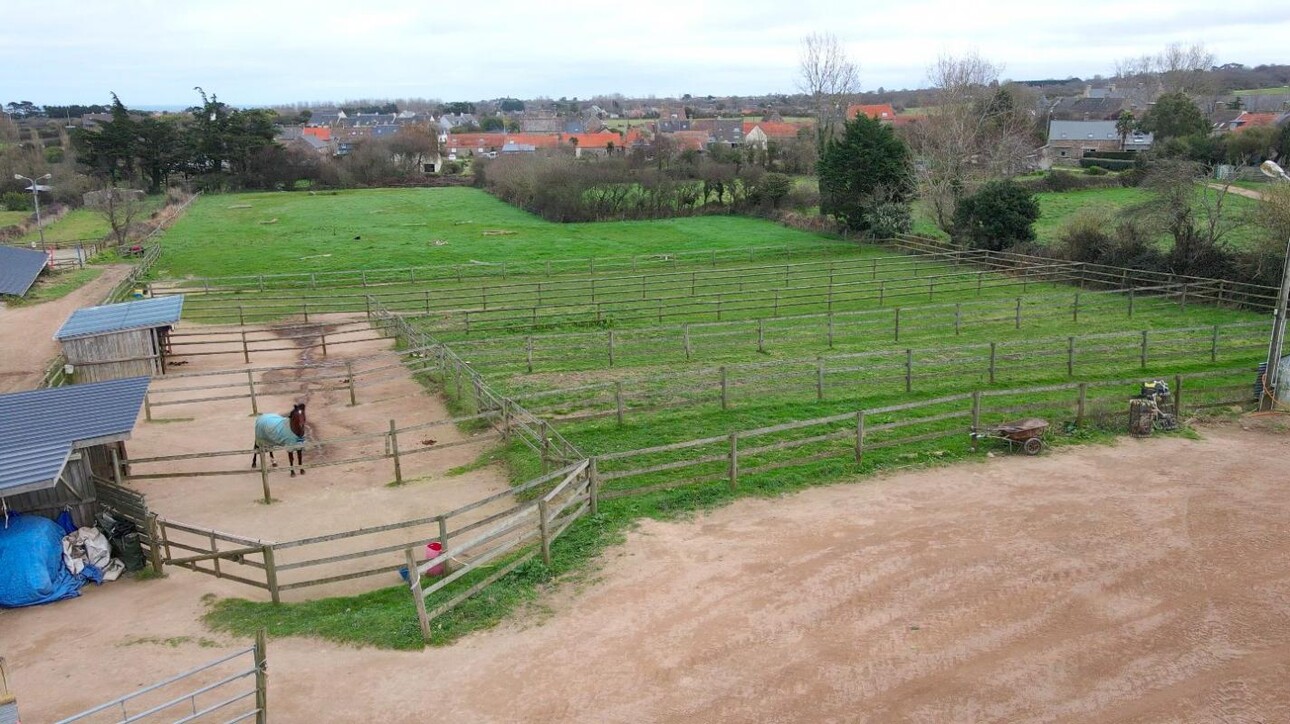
(1001, 214)
(866, 178)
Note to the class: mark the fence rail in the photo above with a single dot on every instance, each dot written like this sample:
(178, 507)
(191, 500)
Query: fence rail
(487, 270)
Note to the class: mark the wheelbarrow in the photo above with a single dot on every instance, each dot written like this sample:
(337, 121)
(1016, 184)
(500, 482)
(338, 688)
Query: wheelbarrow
(1028, 434)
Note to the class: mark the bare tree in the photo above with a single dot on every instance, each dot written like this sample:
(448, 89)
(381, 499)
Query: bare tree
(828, 76)
(120, 208)
(977, 129)
(1176, 69)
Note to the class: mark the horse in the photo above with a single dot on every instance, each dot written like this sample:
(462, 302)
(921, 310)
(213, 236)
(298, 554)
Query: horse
(274, 431)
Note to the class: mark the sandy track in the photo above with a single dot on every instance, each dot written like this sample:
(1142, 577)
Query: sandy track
(1144, 582)
(28, 332)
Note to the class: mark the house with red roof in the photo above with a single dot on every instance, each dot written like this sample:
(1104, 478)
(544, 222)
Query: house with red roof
(759, 133)
(1253, 120)
(880, 112)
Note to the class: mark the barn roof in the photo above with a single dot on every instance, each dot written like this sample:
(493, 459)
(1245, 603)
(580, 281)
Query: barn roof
(40, 428)
(145, 313)
(19, 269)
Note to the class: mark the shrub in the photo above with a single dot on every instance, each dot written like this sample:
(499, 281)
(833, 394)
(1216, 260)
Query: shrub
(16, 201)
(886, 220)
(1109, 164)
(1061, 181)
(1001, 214)
(1118, 155)
(1095, 171)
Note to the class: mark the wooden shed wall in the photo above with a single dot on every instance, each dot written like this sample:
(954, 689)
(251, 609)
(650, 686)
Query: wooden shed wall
(75, 491)
(112, 356)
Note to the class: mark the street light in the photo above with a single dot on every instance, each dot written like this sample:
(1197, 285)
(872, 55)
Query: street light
(1267, 399)
(35, 190)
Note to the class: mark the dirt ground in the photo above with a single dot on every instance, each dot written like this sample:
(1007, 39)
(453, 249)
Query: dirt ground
(327, 499)
(23, 364)
(1144, 582)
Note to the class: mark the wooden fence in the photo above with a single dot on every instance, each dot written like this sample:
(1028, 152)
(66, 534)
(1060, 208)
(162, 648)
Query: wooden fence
(1220, 291)
(909, 370)
(724, 294)
(394, 451)
(297, 337)
(367, 278)
(687, 342)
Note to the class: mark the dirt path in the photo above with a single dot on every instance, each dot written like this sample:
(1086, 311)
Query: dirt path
(28, 332)
(1141, 582)
(1239, 191)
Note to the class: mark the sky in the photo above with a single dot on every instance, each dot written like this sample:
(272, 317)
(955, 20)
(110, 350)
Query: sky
(262, 52)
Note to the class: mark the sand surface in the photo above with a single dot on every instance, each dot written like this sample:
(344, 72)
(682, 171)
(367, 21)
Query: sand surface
(27, 332)
(1145, 582)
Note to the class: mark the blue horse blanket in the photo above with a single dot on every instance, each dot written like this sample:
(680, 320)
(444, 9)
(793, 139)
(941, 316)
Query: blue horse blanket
(31, 562)
(275, 431)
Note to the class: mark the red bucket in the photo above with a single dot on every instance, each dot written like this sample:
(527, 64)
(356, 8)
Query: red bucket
(433, 549)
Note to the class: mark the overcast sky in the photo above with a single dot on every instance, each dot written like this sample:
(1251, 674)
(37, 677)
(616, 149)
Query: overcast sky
(152, 52)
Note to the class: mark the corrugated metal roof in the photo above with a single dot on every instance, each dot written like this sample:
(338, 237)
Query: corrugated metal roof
(19, 269)
(89, 321)
(40, 428)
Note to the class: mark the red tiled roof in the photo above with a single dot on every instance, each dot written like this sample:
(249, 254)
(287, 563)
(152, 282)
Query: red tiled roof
(690, 140)
(1254, 120)
(536, 140)
(773, 130)
(880, 112)
(475, 141)
(322, 133)
(594, 140)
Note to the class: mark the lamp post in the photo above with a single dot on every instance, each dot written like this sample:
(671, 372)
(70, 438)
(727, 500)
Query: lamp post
(1267, 400)
(35, 190)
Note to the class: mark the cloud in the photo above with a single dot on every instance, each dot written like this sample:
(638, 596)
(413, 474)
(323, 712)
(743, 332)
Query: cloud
(154, 52)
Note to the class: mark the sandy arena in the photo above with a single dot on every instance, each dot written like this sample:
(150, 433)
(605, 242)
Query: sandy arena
(1144, 582)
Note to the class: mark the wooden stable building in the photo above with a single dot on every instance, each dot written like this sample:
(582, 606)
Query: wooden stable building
(114, 341)
(61, 444)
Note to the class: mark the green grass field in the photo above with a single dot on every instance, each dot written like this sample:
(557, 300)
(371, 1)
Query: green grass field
(56, 285)
(947, 348)
(296, 232)
(9, 218)
(1280, 90)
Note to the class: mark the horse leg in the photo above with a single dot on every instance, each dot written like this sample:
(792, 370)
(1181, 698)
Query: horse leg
(255, 456)
(291, 465)
(300, 460)
(273, 459)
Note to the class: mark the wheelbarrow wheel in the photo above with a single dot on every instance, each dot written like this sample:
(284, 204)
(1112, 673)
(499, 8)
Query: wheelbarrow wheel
(1033, 446)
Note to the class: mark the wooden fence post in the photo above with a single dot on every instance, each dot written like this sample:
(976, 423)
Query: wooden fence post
(154, 551)
(1070, 356)
(992, 359)
(322, 332)
(734, 461)
(1081, 403)
(882, 291)
(1075, 309)
(264, 477)
(349, 372)
(271, 573)
(305, 307)
(528, 352)
(546, 445)
(593, 485)
(261, 678)
(725, 393)
(241, 316)
(685, 333)
(830, 330)
(819, 379)
(1144, 349)
(544, 524)
(147, 407)
(618, 401)
(761, 335)
(418, 598)
(250, 383)
(909, 370)
(897, 324)
(1178, 398)
(859, 436)
(116, 465)
(611, 348)
(958, 317)
(394, 450)
(246, 352)
(976, 412)
(1213, 345)
(1019, 312)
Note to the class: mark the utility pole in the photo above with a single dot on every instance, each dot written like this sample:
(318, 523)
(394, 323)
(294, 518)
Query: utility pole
(35, 196)
(1267, 398)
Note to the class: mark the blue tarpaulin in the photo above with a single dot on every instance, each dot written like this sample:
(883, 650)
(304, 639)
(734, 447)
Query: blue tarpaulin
(31, 563)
